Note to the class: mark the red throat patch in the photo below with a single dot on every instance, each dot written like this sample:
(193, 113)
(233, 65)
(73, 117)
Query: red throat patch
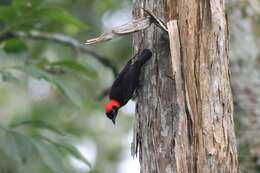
(111, 104)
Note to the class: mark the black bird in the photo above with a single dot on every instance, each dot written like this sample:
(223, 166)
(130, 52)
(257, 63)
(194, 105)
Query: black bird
(125, 84)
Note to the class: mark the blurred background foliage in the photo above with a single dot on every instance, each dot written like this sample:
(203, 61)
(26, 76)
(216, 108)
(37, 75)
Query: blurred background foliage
(244, 21)
(51, 119)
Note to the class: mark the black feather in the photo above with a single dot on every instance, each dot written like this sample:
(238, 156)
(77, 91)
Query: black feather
(127, 80)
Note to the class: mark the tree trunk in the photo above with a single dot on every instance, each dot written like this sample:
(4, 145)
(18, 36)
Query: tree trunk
(184, 114)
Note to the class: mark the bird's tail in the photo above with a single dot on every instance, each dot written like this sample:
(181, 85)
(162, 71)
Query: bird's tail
(144, 57)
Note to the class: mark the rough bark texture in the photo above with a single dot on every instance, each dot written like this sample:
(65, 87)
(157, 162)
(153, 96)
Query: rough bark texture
(184, 119)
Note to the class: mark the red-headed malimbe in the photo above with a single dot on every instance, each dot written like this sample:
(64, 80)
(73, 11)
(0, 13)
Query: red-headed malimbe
(126, 83)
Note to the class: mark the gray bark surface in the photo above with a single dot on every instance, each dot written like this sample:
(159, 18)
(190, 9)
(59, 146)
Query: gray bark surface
(184, 116)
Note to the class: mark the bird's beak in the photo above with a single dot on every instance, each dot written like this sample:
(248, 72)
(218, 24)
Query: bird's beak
(114, 117)
(114, 120)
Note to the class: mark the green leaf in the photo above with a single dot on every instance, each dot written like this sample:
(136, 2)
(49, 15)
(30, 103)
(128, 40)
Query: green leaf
(42, 62)
(69, 92)
(14, 46)
(9, 77)
(38, 14)
(50, 155)
(9, 159)
(25, 146)
(16, 146)
(17, 149)
(71, 149)
(60, 15)
(77, 68)
(26, 3)
(5, 2)
(37, 72)
(64, 144)
(38, 124)
(7, 14)
(9, 146)
(7, 165)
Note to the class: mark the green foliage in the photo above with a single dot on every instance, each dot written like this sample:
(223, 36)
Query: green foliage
(20, 148)
(76, 68)
(9, 77)
(40, 73)
(40, 133)
(34, 14)
(14, 46)
(38, 124)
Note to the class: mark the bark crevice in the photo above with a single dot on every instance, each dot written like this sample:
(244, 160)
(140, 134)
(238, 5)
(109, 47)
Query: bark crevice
(184, 123)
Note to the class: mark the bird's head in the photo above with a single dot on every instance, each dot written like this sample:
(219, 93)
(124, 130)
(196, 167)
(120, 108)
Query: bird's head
(112, 109)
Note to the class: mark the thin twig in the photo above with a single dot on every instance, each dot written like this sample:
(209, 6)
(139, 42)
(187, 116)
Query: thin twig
(60, 39)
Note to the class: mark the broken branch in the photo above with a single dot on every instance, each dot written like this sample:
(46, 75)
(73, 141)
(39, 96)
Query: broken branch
(125, 29)
(129, 28)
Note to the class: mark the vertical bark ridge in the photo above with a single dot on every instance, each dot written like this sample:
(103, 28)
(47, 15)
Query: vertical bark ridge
(184, 118)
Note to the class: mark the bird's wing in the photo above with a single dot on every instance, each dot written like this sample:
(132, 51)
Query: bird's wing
(122, 74)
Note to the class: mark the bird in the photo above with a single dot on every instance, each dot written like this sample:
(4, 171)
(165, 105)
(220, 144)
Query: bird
(125, 84)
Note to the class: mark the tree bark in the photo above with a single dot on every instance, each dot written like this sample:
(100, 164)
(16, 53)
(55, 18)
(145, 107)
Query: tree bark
(184, 113)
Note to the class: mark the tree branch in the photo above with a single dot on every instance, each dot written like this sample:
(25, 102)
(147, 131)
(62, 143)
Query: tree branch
(130, 27)
(61, 39)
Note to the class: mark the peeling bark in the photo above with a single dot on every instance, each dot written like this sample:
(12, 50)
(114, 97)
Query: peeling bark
(184, 116)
